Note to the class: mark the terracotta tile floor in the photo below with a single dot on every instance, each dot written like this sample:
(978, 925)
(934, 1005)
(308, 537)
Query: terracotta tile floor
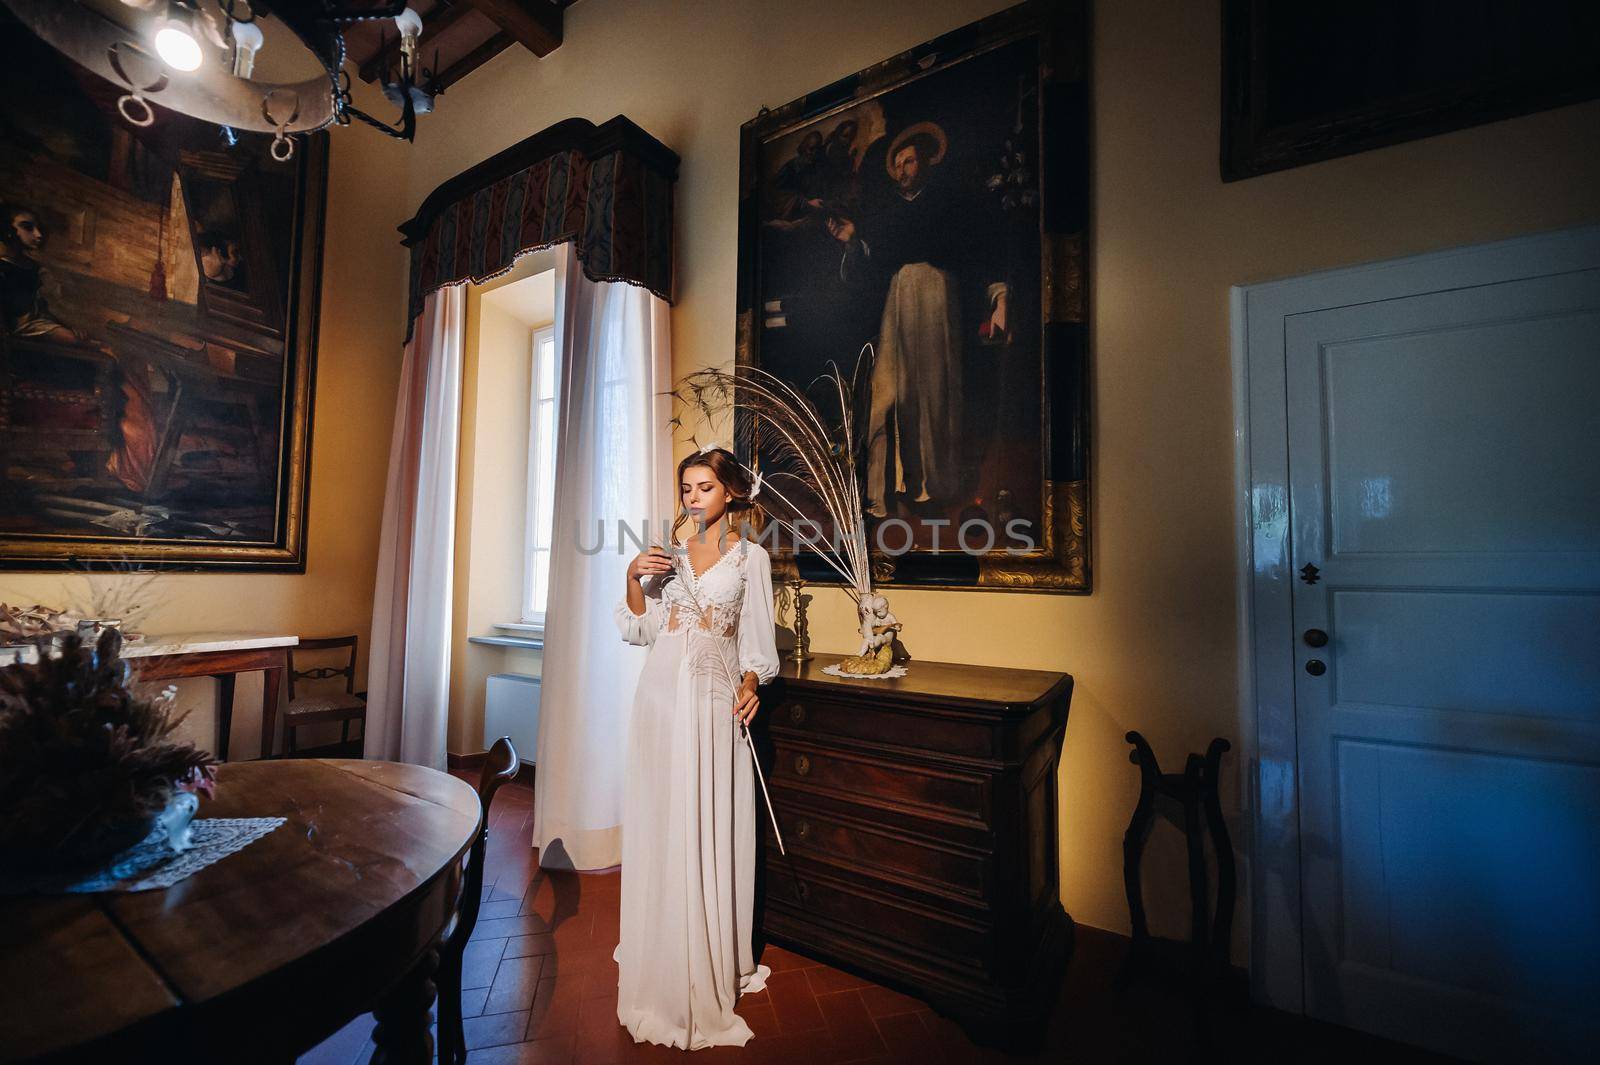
(540, 988)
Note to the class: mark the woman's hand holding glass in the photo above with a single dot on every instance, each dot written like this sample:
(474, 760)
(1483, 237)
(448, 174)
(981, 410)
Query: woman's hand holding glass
(651, 562)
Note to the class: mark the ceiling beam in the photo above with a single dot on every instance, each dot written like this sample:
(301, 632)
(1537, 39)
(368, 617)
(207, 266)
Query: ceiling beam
(435, 22)
(472, 61)
(534, 24)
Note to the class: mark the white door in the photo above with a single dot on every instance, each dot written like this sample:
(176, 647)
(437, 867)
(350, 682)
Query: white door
(1444, 520)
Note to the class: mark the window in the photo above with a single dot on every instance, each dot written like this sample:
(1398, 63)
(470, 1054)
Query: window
(541, 475)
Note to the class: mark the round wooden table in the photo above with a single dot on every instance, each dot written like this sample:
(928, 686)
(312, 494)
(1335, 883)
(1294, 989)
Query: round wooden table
(267, 952)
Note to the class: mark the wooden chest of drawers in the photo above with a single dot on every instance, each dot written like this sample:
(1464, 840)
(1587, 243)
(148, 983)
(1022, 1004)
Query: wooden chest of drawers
(920, 820)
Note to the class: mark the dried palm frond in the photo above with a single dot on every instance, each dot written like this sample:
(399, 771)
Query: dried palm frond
(806, 460)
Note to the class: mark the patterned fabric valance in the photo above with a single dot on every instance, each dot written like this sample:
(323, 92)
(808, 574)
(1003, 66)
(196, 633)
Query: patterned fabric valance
(607, 189)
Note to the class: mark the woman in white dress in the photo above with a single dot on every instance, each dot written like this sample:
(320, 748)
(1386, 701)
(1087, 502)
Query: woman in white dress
(689, 812)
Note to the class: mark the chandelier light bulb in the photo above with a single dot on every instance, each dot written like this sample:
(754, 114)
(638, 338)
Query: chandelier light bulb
(246, 43)
(176, 44)
(410, 26)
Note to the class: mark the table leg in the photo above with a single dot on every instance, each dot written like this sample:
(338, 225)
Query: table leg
(224, 713)
(271, 680)
(403, 1034)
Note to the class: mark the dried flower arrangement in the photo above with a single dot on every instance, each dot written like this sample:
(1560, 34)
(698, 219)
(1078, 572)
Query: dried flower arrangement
(121, 593)
(86, 760)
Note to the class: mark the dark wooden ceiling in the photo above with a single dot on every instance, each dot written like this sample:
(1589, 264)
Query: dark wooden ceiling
(459, 36)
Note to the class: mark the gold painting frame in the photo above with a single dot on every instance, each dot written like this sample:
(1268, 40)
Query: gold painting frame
(1056, 34)
(247, 374)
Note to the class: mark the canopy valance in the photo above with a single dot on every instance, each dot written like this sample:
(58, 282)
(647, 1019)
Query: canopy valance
(606, 188)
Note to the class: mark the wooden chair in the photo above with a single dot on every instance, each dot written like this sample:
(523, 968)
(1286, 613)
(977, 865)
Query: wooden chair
(309, 707)
(499, 766)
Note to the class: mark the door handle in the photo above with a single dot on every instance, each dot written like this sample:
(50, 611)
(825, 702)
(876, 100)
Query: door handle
(1315, 638)
(1316, 667)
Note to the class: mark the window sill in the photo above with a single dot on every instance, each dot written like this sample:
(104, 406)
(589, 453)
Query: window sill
(527, 637)
(525, 642)
(532, 643)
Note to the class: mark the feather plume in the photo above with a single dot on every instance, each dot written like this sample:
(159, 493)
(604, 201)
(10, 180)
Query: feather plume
(807, 460)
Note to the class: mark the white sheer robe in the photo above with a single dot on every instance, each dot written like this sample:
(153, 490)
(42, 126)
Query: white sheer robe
(689, 809)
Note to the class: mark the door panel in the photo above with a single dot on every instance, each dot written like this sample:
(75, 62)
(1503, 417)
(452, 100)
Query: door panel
(1443, 485)
(1447, 650)
(1498, 486)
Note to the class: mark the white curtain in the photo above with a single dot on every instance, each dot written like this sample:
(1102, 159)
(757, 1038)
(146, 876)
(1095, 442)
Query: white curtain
(408, 673)
(613, 463)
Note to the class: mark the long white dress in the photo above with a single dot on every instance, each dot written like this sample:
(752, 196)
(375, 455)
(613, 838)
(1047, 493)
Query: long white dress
(689, 808)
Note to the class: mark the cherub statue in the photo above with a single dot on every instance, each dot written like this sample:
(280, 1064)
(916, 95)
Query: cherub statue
(878, 627)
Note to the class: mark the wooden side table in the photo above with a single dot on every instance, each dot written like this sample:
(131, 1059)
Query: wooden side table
(223, 656)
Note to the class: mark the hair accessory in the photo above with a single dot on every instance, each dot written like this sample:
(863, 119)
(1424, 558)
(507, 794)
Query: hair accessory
(713, 446)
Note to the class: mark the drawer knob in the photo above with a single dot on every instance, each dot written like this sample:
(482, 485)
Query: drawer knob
(802, 764)
(802, 828)
(797, 714)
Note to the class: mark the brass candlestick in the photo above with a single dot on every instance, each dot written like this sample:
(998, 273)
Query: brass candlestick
(802, 638)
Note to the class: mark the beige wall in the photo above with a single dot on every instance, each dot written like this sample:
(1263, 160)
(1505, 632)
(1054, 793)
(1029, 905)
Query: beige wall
(358, 365)
(1153, 648)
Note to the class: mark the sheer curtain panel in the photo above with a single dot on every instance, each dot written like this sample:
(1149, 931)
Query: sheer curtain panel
(613, 465)
(408, 674)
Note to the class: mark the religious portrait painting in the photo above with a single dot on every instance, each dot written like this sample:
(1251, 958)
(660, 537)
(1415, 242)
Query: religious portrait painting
(158, 290)
(930, 212)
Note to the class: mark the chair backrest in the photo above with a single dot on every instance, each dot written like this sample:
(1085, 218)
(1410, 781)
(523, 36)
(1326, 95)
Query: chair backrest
(348, 670)
(500, 765)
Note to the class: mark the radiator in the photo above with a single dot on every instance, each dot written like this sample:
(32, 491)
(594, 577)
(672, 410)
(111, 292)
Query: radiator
(511, 708)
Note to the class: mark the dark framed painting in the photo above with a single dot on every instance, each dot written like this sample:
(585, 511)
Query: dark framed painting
(936, 207)
(159, 289)
(1307, 82)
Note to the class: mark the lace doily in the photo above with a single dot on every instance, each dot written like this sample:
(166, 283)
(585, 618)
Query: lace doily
(888, 674)
(151, 864)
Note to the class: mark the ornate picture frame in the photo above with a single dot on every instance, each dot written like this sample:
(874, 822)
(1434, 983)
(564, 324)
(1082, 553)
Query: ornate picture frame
(161, 287)
(1304, 83)
(958, 173)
